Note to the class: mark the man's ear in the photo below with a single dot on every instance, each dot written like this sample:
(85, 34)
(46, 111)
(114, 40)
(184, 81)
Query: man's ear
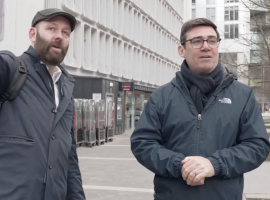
(181, 51)
(33, 34)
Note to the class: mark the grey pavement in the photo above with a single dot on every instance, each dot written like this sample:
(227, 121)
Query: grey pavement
(111, 172)
(257, 182)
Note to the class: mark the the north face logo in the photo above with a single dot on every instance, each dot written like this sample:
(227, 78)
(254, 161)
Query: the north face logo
(225, 100)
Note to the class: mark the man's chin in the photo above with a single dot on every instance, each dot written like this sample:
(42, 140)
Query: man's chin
(54, 61)
(206, 69)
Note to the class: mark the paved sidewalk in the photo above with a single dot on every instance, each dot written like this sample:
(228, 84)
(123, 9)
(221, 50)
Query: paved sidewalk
(257, 182)
(111, 172)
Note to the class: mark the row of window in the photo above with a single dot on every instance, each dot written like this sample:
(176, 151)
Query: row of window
(214, 1)
(162, 12)
(125, 19)
(231, 31)
(96, 50)
(119, 38)
(230, 14)
(113, 13)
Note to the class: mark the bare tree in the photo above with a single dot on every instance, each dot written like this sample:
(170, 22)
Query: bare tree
(257, 71)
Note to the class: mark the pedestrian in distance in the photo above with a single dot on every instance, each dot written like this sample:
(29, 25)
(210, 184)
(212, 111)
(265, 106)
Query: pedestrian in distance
(38, 151)
(202, 131)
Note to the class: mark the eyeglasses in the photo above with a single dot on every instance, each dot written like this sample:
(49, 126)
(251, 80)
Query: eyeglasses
(197, 43)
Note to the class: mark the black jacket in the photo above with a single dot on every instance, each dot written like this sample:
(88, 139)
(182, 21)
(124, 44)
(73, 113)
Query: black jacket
(230, 132)
(38, 152)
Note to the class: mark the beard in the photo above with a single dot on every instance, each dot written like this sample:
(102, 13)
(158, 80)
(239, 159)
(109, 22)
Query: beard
(52, 58)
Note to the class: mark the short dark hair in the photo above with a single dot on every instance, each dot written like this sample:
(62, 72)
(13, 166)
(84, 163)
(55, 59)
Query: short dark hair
(187, 26)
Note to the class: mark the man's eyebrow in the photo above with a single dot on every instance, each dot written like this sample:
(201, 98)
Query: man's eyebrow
(209, 36)
(55, 24)
(197, 37)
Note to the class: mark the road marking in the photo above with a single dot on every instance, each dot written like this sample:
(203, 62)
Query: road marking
(101, 158)
(125, 189)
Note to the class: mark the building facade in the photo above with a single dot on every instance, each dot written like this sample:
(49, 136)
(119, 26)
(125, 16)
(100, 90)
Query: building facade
(115, 43)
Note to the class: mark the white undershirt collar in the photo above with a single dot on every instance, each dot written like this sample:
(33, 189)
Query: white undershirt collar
(55, 77)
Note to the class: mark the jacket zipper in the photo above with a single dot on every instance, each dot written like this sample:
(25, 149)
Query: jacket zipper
(199, 121)
(198, 133)
(204, 110)
(224, 82)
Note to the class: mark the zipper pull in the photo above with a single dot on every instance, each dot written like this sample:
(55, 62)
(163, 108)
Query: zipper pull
(199, 121)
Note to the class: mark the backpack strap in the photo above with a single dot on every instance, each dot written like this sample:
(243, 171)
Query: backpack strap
(16, 83)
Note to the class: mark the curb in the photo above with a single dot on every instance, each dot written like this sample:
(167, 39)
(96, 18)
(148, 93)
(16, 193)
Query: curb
(256, 196)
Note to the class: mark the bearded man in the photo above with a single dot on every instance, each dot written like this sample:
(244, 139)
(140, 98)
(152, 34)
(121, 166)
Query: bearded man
(38, 152)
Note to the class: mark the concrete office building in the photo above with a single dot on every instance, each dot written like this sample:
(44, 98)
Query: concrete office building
(117, 46)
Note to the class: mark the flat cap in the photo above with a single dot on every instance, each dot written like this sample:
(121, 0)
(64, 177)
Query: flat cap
(49, 13)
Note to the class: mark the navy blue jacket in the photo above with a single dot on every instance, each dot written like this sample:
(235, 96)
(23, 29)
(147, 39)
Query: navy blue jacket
(38, 159)
(229, 132)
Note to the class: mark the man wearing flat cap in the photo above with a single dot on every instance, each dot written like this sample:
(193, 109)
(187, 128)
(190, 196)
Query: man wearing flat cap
(38, 151)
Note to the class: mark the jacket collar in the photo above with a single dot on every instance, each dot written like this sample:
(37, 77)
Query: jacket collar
(35, 58)
(33, 54)
(65, 73)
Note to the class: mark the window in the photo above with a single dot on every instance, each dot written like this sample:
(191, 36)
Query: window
(2, 10)
(231, 13)
(211, 13)
(231, 1)
(231, 31)
(193, 2)
(210, 2)
(193, 13)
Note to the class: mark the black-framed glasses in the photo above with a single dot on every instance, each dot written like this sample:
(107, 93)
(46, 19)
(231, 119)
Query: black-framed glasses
(197, 43)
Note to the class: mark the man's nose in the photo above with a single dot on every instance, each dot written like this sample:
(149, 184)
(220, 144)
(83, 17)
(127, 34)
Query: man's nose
(58, 35)
(205, 45)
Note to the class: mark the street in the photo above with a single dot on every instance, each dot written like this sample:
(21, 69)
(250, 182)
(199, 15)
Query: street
(111, 172)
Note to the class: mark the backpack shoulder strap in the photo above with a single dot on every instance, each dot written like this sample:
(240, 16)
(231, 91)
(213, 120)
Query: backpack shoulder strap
(16, 83)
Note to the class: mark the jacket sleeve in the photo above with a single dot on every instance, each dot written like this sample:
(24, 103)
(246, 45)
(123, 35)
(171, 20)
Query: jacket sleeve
(74, 182)
(252, 146)
(147, 145)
